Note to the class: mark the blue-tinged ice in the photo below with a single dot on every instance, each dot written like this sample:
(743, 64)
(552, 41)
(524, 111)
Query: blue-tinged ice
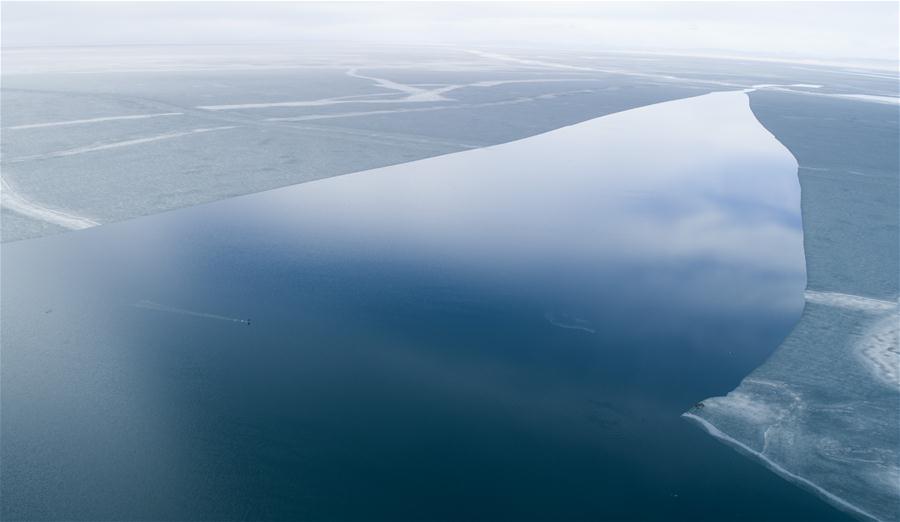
(824, 410)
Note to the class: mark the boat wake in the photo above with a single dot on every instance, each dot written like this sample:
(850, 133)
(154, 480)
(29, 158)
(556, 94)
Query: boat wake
(150, 305)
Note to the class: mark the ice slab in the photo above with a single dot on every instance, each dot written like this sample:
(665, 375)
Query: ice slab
(823, 410)
(91, 120)
(109, 147)
(307, 113)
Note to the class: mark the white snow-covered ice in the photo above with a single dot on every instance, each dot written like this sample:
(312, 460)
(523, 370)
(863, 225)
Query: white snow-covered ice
(16, 202)
(91, 120)
(117, 144)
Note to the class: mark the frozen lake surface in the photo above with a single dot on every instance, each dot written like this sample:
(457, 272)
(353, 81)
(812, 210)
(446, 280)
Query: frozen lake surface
(509, 332)
(98, 135)
(824, 411)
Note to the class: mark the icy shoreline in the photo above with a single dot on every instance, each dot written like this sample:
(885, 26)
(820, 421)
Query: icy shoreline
(823, 411)
(743, 448)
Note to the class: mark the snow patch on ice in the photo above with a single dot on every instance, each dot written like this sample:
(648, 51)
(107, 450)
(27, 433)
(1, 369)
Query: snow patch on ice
(879, 345)
(524, 61)
(514, 101)
(92, 120)
(780, 86)
(745, 405)
(850, 302)
(871, 98)
(116, 144)
(889, 100)
(880, 350)
(12, 200)
(414, 94)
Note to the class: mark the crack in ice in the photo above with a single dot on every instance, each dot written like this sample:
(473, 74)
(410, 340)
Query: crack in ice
(116, 144)
(92, 120)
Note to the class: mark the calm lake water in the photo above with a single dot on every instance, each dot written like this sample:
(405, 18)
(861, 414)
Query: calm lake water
(507, 333)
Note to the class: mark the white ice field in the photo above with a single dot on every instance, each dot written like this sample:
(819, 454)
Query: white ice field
(98, 135)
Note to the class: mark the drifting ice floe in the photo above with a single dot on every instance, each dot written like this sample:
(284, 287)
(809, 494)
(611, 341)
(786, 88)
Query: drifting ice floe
(529, 62)
(879, 349)
(850, 302)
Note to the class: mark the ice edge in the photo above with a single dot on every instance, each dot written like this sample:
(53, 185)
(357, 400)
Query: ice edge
(716, 433)
(741, 447)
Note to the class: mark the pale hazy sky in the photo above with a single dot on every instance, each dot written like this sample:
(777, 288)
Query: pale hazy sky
(836, 31)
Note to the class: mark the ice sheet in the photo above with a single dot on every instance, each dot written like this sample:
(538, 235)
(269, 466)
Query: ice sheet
(309, 112)
(824, 410)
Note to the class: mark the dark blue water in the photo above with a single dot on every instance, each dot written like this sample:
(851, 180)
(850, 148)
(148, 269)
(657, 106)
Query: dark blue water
(427, 342)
